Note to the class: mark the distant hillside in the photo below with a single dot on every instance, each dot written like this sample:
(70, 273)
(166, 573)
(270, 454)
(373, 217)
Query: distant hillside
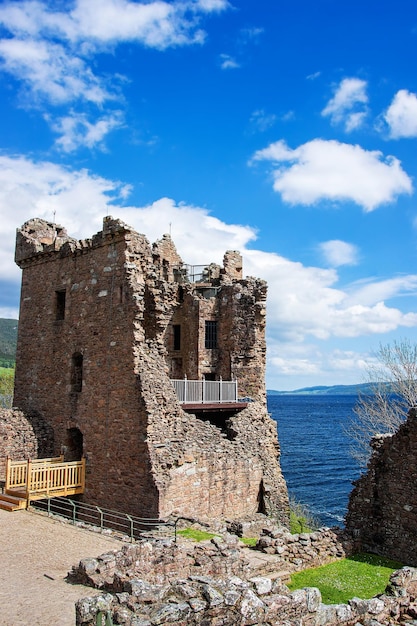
(335, 390)
(8, 340)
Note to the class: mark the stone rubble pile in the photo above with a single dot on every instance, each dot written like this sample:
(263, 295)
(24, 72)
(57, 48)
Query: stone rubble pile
(161, 583)
(208, 601)
(200, 600)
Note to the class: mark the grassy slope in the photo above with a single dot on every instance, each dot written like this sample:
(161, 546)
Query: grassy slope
(361, 576)
(8, 339)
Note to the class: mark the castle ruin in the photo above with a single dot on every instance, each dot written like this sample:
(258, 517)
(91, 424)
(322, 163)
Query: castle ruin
(133, 359)
(382, 512)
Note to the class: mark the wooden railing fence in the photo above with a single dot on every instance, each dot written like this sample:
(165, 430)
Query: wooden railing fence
(45, 477)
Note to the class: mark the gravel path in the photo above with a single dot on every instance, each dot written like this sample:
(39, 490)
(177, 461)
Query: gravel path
(36, 553)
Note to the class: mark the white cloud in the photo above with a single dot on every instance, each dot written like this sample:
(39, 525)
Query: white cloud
(370, 292)
(349, 95)
(313, 76)
(261, 120)
(354, 121)
(76, 131)
(286, 117)
(212, 5)
(337, 253)
(303, 301)
(347, 361)
(227, 62)
(251, 35)
(306, 361)
(49, 50)
(330, 170)
(80, 200)
(287, 366)
(401, 115)
(50, 73)
(157, 24)
(9, 313)
(29, 189)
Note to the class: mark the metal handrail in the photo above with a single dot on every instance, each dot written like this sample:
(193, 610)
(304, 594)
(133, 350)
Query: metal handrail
(205, 391)
(186, 273)
(96, 516)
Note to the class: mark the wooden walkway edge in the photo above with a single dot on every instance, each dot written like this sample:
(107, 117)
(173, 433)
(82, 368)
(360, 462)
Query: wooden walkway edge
(37, 479)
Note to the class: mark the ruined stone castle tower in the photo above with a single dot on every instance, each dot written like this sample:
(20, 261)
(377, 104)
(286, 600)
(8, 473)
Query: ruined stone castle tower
(106, 325)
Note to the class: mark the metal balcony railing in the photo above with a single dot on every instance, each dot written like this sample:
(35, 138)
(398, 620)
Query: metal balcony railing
(193, 273)
(205, 391)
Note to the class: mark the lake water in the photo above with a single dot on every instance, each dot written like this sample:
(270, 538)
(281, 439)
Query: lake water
(315, 457)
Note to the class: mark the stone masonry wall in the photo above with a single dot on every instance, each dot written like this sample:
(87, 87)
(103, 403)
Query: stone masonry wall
(304, 550)
(201, 469)
(95, 357)
(382, 510)
(22, 437)
(98, 324)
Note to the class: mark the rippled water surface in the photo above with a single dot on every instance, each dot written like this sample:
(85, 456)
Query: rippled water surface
(315, 458)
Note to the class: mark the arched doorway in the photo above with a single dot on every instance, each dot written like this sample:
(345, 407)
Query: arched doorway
(74, 445)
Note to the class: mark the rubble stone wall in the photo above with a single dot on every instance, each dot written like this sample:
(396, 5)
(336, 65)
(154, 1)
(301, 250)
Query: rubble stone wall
(382, 511)
(157, 561)
(154, 583)
(301, 551)
(95, 356)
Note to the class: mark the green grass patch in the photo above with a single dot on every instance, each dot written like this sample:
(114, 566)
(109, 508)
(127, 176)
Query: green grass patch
(249, 541)
(202, 535)
(195, 534)
(7, 371)
(360, 576)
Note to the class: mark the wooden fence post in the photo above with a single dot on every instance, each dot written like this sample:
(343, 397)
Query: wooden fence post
(83, 473)
(28, 478)
(8, 466)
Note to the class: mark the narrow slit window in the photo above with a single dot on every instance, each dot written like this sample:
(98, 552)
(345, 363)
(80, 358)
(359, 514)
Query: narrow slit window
(211, 335)
(60, 297)
(177, 336)
(77, 372)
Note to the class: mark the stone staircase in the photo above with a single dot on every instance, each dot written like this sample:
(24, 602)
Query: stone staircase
(268, 565)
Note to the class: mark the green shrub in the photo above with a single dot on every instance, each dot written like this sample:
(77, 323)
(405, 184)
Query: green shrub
(301, 518)
(362, 576)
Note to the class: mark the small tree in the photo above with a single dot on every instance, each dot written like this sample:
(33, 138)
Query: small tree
(393, 392)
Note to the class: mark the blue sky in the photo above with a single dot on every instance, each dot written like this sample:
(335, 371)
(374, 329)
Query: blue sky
(284, 129)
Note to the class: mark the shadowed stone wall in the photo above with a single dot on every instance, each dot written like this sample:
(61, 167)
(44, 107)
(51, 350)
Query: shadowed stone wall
(382, 510)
